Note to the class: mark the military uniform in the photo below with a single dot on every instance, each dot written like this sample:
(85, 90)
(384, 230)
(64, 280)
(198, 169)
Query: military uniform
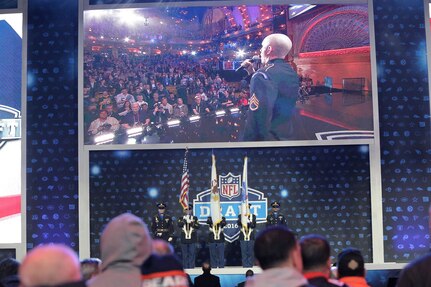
(247, 244)
(275, 217)
(188, 225)
(274, 90)
(216, 246)
(162, 225)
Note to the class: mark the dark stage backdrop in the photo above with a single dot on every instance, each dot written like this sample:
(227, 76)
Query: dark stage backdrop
(324, 190)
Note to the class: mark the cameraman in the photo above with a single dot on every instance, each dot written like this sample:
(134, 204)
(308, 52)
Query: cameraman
(163, 110)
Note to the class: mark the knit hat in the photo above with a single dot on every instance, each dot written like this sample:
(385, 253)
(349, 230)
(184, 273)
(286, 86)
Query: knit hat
(350, 263)
(163, 271)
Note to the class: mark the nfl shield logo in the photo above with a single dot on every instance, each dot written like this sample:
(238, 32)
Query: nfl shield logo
(230, 185)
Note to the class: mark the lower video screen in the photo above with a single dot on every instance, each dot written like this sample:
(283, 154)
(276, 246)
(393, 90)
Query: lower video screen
(319, 190)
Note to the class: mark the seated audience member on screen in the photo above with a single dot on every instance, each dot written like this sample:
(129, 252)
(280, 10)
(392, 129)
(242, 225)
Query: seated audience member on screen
(103, 124)
(136, 118)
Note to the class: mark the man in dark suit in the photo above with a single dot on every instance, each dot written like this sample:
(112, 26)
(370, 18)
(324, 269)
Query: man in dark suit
(207, 279)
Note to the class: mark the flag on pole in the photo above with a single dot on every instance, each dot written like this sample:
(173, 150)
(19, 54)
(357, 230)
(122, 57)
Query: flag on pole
(245, 210)
(215, 195)
(185, 184)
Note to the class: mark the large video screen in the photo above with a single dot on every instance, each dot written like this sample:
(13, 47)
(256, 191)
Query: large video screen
(173, 74)
(10, 127)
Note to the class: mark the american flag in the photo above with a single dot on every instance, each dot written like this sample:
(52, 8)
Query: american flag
(185, 184)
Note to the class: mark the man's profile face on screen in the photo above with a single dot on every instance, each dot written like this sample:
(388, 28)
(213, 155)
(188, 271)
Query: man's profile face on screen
(264, 51)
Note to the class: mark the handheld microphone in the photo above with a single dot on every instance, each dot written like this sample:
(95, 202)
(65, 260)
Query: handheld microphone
(254, 59)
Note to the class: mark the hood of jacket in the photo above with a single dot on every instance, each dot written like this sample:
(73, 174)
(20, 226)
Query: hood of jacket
(125, 241)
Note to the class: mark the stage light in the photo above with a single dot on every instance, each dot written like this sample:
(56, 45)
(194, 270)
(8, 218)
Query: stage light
(126, 39)
(193, 53)
(234, 110)
(129, 17)
(173, 123)
(95, 14)
(220, 113)
(105, 138)
(240, 53)
(194, 118)
(134, 131)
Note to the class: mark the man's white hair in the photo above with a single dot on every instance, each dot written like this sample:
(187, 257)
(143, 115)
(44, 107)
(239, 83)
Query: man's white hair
(280, 43)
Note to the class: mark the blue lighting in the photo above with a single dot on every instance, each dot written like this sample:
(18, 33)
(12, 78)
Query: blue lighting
(122, 154)
(153, 192)
(95, 170)
(364, 149)
(284, 193)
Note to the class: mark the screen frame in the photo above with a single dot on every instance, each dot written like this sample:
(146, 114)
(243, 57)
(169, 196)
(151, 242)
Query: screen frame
(374, 145)
(20, 248)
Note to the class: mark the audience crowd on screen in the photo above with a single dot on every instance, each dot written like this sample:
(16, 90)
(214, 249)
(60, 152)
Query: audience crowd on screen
(165, 86)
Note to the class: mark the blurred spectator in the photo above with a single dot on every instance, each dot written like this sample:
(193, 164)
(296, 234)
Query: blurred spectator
(162, 247)
(351, 268)
(207, 279)
(315, 251)
(9, 272)
(51, 265)
(124, 245)
(249, 273)
(279, 255)
(162, 271)
(90, 267)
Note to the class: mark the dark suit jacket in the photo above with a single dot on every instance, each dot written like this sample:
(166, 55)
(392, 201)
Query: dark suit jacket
(207, 280)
